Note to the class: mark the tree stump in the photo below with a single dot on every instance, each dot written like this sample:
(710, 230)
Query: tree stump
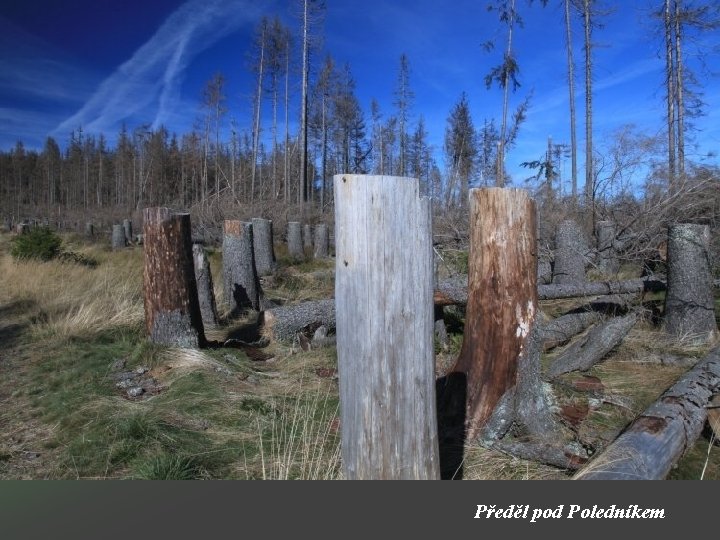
(22, 228)
(89, 230)
(263, 247)
(118, 237)
(502, 297)
(322, 241)
(241, 286)
(172, 311)
(384, 300)
(570, 252)
(206, 292)
(608, 261)
(689, 303)
(307, 237)
(127, 228)
(294, 239)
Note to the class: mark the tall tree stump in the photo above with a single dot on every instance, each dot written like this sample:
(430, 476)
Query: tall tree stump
(689, 303)
(118, 237)
(241, 286)
(294, 240)
(127, 228)
(384, 302)
(502, 297)
(172, 311)
(322, 241)
(89, 230)
(206, 291)
(263, 248)
(307, 237)
(570, 251)
(608, 261)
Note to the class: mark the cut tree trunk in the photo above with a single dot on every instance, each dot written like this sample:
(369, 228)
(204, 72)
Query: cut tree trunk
(118, 237)
(562, 329)
(502, 297)
(651, 445)
(322, 241)
(206, 292)
(689, 303)
(263, 247)
(608, 261)
(286, 322)
(172, 310)
(570, 252)
(294, 240)
(585, 353)
(544, 272)
(89, 230)
(127, 229)
(384, 291)
(22, 228)
(307, 237)
(241, 286)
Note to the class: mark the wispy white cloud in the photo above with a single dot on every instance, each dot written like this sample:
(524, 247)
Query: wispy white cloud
(148, 83)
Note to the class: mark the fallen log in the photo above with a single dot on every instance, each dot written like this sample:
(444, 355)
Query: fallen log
(562, 329)
(583, 354)
(285, 322)
(651, 445)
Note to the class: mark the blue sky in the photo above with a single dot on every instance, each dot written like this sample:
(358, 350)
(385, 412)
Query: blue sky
(98, 63)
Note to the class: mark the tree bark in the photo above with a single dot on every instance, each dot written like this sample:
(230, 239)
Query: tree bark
(649, 447)
(294, 238)
(570, 251)
(89, 230)
(564, 328)
(127, 229)
(689, 303)
(307, 237)
(263, 247)
(383, 290)
(172, 310)
(118, 237)
(502, 297)
(286, 322)
(206, 292)
(240, 282)
(608, 261)
(585, 353)
(322, 241)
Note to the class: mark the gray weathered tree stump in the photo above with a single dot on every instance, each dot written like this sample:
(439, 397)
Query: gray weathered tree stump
(307, 237)
(172, 311)
(384, 300)
(127, 228)
(206, 292)
(22, 228)
(241, 287)
(263, 247)
(689, 303)
(294, 240)
(322, 241)
(608, 261)
(570, 253)
(118, 237)
(502, 297)
(89, 230)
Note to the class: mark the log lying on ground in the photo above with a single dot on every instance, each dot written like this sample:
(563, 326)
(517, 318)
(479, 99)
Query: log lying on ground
(659, 436)
(563, 328)
(284, 323)
(583, 354)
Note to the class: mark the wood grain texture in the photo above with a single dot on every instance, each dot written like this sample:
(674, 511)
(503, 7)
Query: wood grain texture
(384, 304)
(263, 246)
(172, 310)
(294, 240)
(502, 297)
(241, 286)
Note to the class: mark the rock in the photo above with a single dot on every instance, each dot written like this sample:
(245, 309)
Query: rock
(135, 391)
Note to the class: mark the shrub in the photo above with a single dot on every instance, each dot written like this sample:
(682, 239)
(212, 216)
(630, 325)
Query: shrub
(39, 243)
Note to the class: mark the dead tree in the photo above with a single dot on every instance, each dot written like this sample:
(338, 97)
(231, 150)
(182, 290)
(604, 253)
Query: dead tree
(172, 310)
(502, 297)
(384, 298)
(585, 353)
(127, 229)
(322, 241)
(608, 261)
(241, 287)
(649, 447)
(689, 303)
(206, 292)
(263, 246)
(118, 237)
(570, 253)
(294, 240)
